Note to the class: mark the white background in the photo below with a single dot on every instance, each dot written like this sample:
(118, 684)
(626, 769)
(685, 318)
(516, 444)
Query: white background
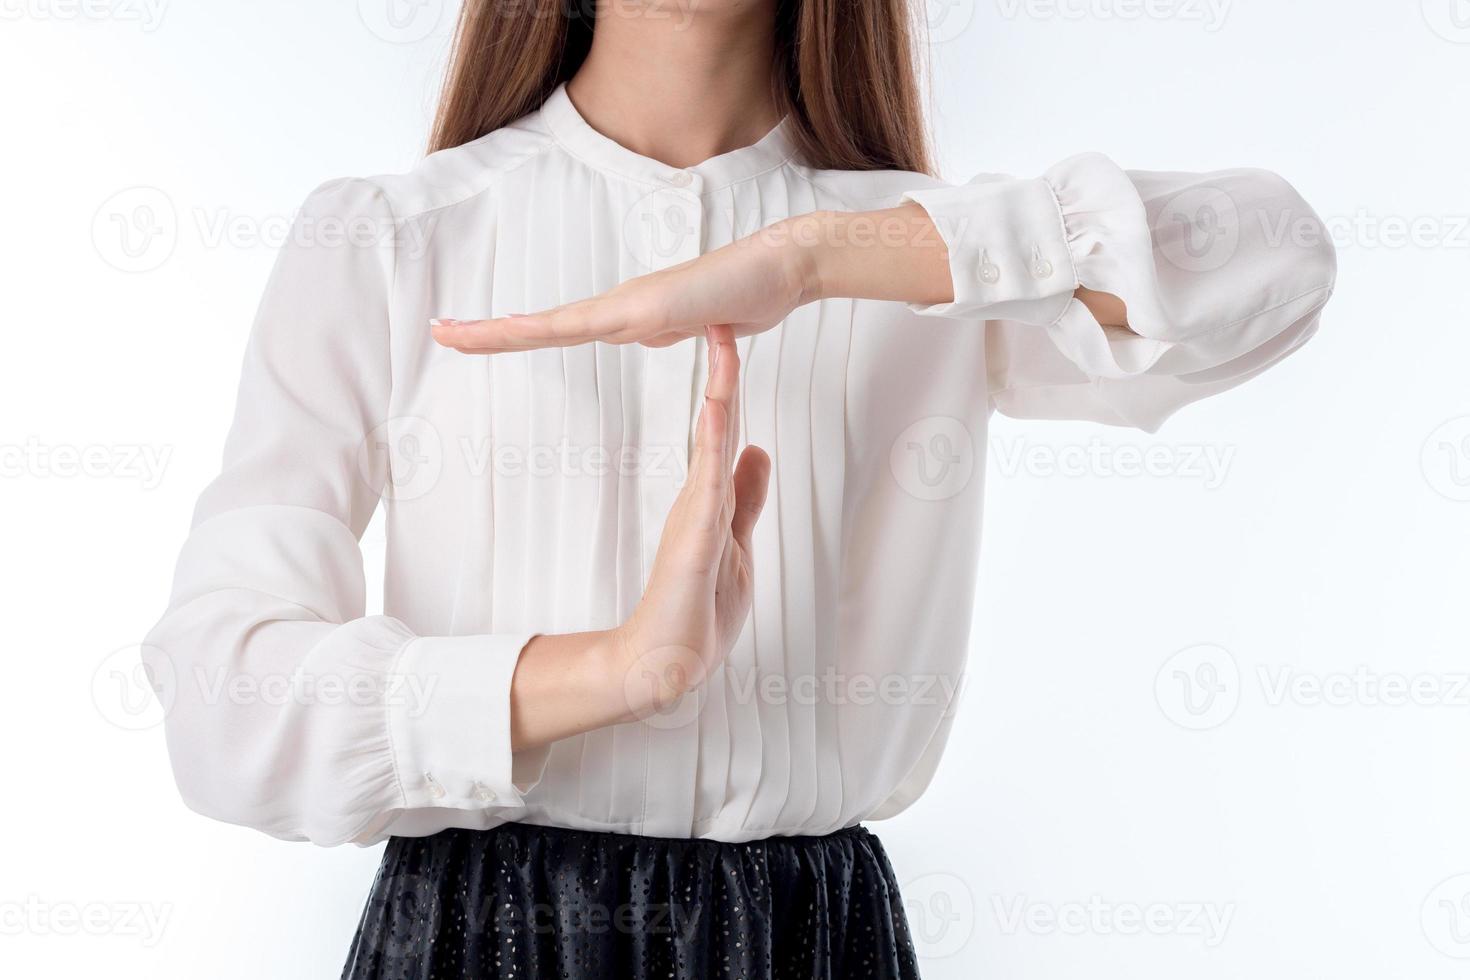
(1262, 828)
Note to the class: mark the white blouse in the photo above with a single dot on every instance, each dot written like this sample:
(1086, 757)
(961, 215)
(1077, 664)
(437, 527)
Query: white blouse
(525, 493)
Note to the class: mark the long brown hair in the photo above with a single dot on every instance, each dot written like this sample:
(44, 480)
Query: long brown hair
(846, 72)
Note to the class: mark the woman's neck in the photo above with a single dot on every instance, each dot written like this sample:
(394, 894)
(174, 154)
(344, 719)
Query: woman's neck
(680, 86)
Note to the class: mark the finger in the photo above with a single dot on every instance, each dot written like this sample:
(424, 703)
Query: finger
(752, 482)
(566, 326)
(500, 335)
(711, 470)
(724, 373)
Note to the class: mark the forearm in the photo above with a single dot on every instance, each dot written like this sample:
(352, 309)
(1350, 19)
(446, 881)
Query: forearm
(895, 254)
(566, 685)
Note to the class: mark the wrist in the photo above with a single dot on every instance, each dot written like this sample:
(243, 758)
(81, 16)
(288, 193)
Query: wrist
(605, 662)
(807, 256)
(645, 678)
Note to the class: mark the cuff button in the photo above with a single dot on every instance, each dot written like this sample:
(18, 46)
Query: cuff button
(989, 271)
(1040, 267)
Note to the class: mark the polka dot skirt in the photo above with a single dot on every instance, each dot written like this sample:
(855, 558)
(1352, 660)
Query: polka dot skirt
(530, 902)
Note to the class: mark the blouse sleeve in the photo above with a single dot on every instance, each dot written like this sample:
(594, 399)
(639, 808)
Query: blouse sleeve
(1223, 275)
(288, 710)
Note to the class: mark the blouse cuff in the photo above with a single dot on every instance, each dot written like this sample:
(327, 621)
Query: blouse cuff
(1019, 250)
(1111, 245)
(1008, 255)
(450, 724)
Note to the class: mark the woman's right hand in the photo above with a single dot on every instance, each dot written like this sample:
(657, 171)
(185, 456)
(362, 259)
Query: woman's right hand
(700, 591)
(696, 602)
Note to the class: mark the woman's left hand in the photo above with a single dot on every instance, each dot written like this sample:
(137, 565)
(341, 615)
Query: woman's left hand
(751, 285)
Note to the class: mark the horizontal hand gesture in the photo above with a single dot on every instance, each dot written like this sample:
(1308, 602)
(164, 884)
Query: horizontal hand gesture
(751, 285)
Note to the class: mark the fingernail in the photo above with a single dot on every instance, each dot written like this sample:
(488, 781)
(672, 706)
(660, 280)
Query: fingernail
(444, 322)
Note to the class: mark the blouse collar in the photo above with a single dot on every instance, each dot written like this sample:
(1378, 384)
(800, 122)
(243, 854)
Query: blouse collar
(577, 135)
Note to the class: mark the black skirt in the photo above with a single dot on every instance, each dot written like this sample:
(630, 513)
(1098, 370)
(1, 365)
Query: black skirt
(531, 902)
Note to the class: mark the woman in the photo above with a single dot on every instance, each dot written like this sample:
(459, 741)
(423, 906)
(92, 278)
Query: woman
(615, 722)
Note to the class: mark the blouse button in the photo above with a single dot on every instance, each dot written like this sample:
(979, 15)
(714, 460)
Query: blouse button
(989, 271)
(484, 794)
(681, 178)
(1040, 267)
(435, 790)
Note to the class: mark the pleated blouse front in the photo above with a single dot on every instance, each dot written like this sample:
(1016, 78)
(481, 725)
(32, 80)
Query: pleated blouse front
(525, 493)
